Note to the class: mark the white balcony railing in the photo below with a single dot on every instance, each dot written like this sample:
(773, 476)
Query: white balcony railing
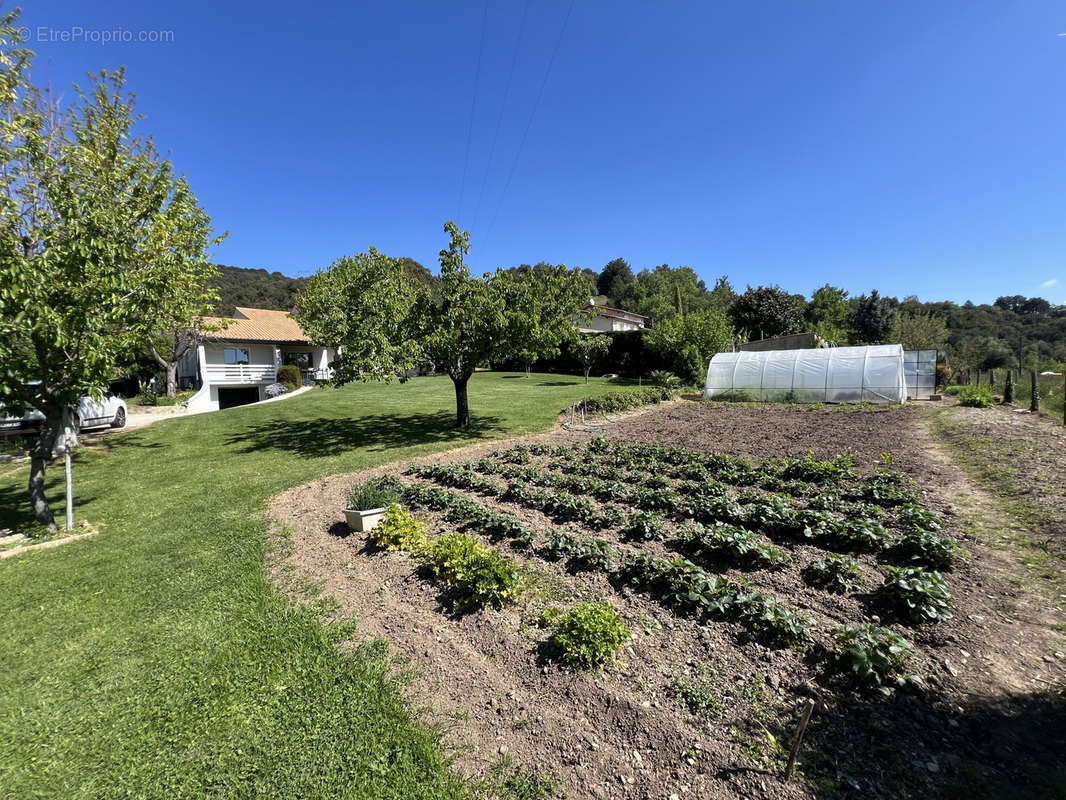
(240, 373)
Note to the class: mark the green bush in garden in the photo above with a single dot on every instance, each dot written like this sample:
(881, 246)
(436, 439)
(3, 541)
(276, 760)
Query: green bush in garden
(398, 530)
(290, 376)
(477, 575)
(590, 635)
(976, 397)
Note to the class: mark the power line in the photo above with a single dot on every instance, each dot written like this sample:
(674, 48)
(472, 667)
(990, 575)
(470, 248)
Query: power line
(503, 107)
(532, 114)
(473, 105)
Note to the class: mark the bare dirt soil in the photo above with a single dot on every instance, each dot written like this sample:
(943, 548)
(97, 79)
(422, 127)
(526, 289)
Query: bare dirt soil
(991, 718)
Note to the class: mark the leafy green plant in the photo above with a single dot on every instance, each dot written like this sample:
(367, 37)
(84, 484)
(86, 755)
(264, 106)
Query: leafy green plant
(811, 470)
(590, 635)
(921, 595)
(559, 544)
(929, 548)
(918, 516)
(877, 656)
(835, 572)
(476, 574)
(976, 397)
(398, 530)
(771, 620)
(700, 698)
(664, 378)
(289, 375)
(646, 526)
(732, 542)
(594, 554)
(374, 494)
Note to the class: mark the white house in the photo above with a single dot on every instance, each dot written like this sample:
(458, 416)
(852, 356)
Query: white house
(598, 317)
(234, 365)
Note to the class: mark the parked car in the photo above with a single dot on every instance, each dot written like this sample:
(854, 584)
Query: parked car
(109, 410)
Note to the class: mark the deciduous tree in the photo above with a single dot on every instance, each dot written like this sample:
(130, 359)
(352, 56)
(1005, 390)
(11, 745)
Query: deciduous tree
(85, 205)
(768, 311)
(688, 342)
(589, 347)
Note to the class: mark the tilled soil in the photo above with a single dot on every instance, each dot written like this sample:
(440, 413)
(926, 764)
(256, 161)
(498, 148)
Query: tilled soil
(492, 681)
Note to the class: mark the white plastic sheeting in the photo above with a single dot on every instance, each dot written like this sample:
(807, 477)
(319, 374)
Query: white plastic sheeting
(872, 374)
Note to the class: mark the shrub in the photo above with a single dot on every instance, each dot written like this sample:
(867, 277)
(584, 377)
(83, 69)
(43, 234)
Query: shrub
(976, 397)
(927, 547)
(835, 572)
(590, 635)
(877, 656)
(275, 390)
(626, 400)
(921, 595)
(290, 376)
(398, 530)
(375, 494)
(664, 378)
(477, 575)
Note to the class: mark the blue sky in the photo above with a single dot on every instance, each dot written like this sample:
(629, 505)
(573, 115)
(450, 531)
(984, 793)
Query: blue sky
(914, 147)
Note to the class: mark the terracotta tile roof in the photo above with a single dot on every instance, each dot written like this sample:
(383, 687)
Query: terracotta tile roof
(257, 325)
(614, 313)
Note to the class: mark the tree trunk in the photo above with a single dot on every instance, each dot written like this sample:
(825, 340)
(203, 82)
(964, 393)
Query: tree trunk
(1034, 401)
(172, 378)
(462, 403)
(587, 371)
(40, 458)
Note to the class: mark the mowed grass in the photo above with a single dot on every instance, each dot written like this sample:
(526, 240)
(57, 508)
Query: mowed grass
(157, 660)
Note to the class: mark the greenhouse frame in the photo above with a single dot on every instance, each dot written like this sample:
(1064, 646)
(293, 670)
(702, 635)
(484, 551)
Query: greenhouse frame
(868, 374)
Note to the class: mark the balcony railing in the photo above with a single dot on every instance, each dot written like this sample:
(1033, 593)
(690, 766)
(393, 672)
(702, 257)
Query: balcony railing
(240, 373)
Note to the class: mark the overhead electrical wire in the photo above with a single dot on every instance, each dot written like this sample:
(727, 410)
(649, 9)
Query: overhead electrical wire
(473, 106)
(499, 118)
(532, 114)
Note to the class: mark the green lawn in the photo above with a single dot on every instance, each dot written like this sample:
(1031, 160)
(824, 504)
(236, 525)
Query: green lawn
(156, 660)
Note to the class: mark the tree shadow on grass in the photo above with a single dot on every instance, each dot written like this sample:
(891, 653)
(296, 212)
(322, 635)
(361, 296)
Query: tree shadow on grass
(327, 436)
(558, 383)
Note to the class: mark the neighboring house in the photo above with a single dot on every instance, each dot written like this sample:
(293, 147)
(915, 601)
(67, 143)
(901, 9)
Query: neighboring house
(597, 317)
(234, 365)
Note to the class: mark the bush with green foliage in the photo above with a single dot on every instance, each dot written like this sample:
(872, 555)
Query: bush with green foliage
(835, 573)
(590, 635)
(877, 656)
(398, 530)
(920, 595)
(976, 397)
(626, 400)
(474, 573)
(289, 376)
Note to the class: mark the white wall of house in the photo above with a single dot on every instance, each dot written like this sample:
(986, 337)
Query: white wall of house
(209, 363)
(609, 324)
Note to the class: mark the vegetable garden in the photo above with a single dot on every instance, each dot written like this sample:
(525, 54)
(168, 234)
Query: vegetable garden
(647, 611)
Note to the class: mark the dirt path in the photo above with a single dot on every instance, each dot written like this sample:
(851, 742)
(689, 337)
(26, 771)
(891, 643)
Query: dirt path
(488, 679)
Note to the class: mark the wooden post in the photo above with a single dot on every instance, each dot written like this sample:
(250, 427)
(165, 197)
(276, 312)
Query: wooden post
(804, 719)
(1034, 401)
(70, 489)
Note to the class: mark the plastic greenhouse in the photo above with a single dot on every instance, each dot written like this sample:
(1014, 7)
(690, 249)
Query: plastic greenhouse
(872, 374)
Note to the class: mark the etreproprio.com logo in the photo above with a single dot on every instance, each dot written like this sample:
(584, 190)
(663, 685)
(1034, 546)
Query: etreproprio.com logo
(76, 34)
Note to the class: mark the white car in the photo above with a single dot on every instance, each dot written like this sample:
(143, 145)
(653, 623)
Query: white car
(109, 410)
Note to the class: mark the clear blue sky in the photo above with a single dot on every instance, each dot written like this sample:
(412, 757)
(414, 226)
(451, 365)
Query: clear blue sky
(917, 147)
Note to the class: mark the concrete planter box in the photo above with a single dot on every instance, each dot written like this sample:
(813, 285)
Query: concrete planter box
(363, 520)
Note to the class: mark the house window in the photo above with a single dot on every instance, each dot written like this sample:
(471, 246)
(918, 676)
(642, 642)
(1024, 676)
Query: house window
(301, 360)
(235, 355)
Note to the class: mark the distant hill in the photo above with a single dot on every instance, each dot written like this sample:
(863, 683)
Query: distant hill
(257, 288)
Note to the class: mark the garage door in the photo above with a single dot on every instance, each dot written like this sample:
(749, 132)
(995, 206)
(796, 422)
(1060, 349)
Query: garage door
(231, 396)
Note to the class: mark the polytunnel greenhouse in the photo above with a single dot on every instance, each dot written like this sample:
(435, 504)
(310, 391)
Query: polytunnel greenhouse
(870, 374)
